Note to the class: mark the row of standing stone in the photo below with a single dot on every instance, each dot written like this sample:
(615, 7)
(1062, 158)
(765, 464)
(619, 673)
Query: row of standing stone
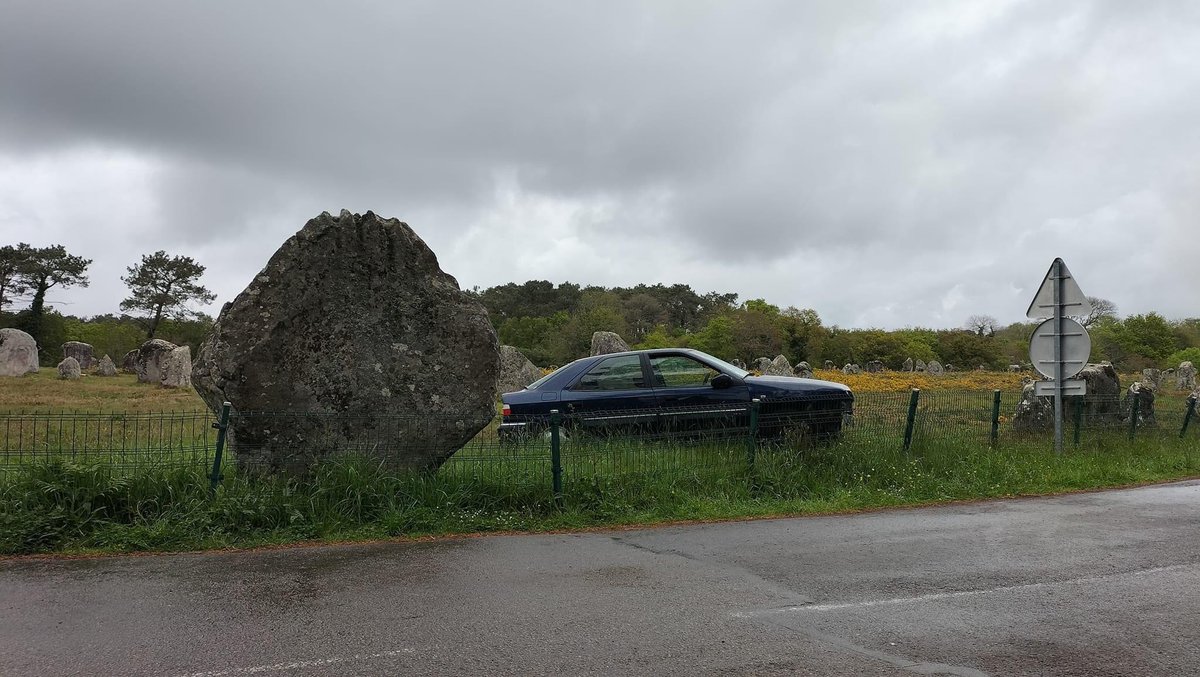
(155, 361)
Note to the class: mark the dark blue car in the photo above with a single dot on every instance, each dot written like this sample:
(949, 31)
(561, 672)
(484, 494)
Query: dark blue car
(674, 390)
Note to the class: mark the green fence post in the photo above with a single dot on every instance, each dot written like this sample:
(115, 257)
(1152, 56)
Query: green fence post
(1187, 417)
(1133, 413)
(1078, 418)
(752, 438)
(912, 417)
(995, 417)
(556, 456)
(222, 426)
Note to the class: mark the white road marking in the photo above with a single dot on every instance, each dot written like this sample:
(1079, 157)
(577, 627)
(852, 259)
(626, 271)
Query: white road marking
(962, 593)
(297, 665)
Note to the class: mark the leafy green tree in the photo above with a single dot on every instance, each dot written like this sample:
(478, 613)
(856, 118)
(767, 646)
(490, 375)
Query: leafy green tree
(1149, 336)
(163, 286)
(756, 333)
(717, 338)
(801, 333)
(42, 269)
(12, 258)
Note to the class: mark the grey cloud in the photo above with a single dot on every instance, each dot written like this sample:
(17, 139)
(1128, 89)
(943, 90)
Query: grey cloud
(863, 136)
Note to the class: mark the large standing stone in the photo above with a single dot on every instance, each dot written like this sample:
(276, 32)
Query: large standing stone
(177, 368)
(605, 342)
(354, 330)
(1185, 376)
(105, 367)
(18, 353)
(908, 364)
(148, 362)
(82, 352)
(68, 369)
(803, 370)
(934, 368)
(516, 371)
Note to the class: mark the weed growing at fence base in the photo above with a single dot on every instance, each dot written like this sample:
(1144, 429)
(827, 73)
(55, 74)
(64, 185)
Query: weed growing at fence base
(60, 506)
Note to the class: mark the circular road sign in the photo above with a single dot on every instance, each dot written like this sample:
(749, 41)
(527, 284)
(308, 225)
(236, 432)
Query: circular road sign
(1076, 347)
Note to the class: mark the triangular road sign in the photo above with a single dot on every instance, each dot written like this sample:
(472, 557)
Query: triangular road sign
(1074, 302)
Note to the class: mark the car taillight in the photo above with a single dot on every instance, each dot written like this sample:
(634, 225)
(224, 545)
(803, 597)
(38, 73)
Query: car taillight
(506, 411)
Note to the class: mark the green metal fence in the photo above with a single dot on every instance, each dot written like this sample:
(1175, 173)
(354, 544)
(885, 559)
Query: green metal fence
(566, 451)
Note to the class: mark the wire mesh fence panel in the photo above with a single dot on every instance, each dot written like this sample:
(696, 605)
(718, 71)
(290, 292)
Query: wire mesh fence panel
(119, 439)
(954, 417)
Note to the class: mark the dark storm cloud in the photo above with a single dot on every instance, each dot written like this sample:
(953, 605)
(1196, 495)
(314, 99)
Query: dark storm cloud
(928, 158)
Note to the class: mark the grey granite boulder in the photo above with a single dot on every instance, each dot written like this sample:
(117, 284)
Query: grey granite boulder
(908, 364)
(18, 353)
(355, 332)
(149, 359)
(516, 371)
(605, 342)
(82, 352)
(129, 362)
(1185, 376)
(919, 365)
(851, 368)
(68, 369)
(803, 370)
(830, 365)
(176, 368)
(934, 368)
(874, 366)
(780, 367)
(106, 367)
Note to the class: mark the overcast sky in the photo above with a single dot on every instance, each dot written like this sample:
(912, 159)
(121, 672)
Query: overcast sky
(888, 164)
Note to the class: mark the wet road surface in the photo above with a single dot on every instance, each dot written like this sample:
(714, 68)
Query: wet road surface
(1091, 584)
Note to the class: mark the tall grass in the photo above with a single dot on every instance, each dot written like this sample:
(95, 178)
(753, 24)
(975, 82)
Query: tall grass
(63, 506)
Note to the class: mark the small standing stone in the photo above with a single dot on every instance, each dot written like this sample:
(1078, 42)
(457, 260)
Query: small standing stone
(105, 367)
(129, 362)
(516, 371)
(829, 365)
(908, 364)
(874, 366)
(738, 363)
(934, 368)
(920, 365)
(803, 370)
(68, 369)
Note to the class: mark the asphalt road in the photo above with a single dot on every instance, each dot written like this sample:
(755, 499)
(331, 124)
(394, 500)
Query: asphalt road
(1091, 584)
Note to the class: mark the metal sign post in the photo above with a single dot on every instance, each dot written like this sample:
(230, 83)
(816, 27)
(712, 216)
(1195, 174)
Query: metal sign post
(1060, 346)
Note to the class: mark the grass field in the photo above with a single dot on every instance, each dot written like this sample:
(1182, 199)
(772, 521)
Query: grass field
(133, 477)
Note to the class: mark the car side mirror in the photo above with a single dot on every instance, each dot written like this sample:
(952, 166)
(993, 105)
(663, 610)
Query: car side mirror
(721, 381)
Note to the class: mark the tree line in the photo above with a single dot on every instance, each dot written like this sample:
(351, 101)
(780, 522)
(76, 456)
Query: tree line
(553, 324)
(161, 291)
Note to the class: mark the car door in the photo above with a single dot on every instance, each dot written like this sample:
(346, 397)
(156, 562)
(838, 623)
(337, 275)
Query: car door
(614, 394)
(688, 399)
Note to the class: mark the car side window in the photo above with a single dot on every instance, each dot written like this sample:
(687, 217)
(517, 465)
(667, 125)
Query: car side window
(678, 371)
(615, 373)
